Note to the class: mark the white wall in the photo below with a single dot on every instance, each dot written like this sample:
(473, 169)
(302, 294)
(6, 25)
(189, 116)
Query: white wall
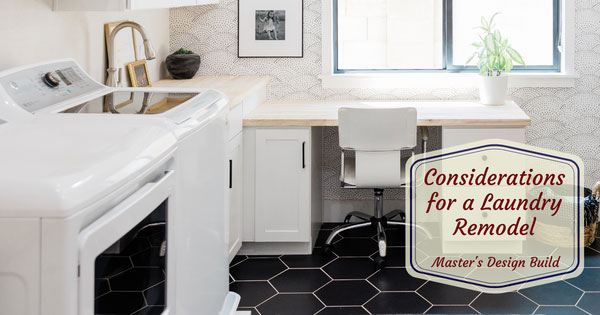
(31, 32)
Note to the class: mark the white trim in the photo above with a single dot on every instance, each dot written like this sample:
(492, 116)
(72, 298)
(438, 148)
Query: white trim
(441, 80)
(566, 78)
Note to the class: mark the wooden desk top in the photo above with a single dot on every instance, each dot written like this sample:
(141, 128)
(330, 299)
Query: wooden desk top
(237, 88)
(429, 113)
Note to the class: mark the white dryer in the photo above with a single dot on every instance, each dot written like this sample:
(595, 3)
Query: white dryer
(68, 191)
(197, 117)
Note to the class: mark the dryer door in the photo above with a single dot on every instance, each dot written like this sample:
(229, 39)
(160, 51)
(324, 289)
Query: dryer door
(149, 206)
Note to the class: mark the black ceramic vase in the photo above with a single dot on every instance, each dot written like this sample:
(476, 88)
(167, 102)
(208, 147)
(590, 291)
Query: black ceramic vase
(183, 66)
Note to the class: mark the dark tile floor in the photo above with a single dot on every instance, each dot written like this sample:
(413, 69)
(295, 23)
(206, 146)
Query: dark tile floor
(348, 283)
(133, 281)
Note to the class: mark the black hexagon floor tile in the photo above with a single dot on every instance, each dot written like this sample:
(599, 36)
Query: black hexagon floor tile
(119, 303)
(150, 310)
(438, 293)
(590, 302)
(148, 257)
(346, 292)
(506, 303)
(559, 310)
(300, 280)
(137, 279)
(592, 257)
(317, 260)
(451, 309)
(350, 268)
(291, 304)
(101, 287)
(556, 293)
(588, 280)
(395, 256)
(355, 247)
(395, 279)
(397, 303)
(346, 310)
(155, 295)
(237, 259)
(108, 265)
(257, 269)
(252, 292)
(322, 237)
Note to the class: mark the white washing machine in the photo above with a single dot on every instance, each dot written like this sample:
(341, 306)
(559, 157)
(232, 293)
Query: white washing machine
(68, 191)
(197, 117)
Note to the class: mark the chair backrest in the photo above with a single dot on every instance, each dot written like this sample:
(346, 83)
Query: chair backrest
(377, 129)
(378, 136)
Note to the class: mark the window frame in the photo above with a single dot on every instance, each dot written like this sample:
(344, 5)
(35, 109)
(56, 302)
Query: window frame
(448, 65)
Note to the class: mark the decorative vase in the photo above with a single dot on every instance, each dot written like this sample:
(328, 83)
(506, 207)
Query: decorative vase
(492, 90)
(183, 66)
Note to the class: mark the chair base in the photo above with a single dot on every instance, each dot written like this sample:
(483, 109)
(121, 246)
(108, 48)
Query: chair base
(378, 221)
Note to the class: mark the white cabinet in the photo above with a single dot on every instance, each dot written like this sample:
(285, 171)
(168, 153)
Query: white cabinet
(123, 5)
(235, 194)
(282, 192)
(282, 185)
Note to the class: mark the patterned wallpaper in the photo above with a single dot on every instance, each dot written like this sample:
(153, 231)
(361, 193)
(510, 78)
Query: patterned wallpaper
(564, 119)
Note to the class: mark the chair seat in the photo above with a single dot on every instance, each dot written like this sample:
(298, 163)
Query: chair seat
(349, 180)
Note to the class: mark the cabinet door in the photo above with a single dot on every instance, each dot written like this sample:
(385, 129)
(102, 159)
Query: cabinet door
(235, 183)
(282, 185)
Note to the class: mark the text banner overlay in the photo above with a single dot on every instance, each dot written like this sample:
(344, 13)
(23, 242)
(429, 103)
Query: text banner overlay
(501, 216)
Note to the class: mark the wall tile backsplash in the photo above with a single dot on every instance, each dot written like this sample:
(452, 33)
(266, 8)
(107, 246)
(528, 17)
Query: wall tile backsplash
(564, 119)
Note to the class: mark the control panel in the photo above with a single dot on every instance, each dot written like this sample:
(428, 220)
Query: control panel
(45, 85)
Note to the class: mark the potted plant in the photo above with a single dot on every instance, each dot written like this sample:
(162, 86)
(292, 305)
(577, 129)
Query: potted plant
(496, 58)
(183, 64)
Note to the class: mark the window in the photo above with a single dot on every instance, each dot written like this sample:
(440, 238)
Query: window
(436, 35)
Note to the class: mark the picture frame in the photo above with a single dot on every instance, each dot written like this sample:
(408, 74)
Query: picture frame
(139, 74)
(270, 29)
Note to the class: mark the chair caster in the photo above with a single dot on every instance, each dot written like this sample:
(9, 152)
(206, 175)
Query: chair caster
(379, 262)
(327, 249)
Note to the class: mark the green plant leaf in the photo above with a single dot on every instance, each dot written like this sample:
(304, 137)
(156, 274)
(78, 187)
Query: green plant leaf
(492, 18)
(490, 45)
(471, 58)
(484, 22)
(509, 64)
(478, 45)
(516, 57)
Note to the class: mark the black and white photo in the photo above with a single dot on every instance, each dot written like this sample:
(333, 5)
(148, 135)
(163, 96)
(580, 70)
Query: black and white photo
(270, 28)
(270, 24)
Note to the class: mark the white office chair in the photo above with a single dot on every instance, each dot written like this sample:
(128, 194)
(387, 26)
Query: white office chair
(377, 136)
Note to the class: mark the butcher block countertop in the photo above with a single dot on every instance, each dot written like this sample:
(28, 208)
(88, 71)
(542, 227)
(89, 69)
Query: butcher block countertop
(237, 88)
(429, 113)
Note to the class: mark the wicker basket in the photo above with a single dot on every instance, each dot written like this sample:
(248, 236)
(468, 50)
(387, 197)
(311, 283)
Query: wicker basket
(590, 233)
(561, 236)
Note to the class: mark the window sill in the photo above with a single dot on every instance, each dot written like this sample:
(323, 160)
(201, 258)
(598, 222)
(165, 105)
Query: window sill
(442, 80)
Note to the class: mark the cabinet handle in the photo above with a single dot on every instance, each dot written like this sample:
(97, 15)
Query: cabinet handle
(303, 154)
(230, 174)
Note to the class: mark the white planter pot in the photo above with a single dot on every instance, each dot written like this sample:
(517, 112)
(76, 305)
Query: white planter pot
(492, 90)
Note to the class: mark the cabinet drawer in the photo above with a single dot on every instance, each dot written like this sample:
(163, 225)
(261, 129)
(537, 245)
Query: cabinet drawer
(235, 117)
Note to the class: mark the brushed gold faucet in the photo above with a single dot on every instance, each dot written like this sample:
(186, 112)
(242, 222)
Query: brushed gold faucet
(112, 79)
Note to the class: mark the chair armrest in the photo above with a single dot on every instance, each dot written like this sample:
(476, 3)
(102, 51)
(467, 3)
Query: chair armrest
(424, 133)
(424, 137)
(343, 170)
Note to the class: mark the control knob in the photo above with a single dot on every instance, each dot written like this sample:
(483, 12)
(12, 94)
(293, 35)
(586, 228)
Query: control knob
(51, 80)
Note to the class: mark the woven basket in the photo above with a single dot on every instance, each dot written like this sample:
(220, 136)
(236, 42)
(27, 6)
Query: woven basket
(561, 236)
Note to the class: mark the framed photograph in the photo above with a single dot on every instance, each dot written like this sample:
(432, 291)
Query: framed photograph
(270, 28)
(138, 73)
